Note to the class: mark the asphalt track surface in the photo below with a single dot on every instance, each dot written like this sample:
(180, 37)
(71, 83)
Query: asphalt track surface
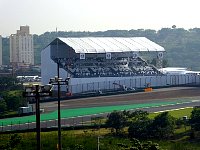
(157, 95)
(157, 100)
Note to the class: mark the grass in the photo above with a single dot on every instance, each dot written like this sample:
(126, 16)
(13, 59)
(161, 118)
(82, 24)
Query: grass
(175, 113)
(73, 138)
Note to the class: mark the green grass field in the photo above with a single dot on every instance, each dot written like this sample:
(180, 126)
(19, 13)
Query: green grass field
(175, 113)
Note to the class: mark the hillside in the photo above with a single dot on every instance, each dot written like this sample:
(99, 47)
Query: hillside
(182, 46)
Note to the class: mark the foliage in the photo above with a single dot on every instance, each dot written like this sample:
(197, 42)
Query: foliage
(3, 106)
(195, 119)
(9, 83)
(137, 115)
(116, 120)
(179, 123)
(139, 124)
(15, 139)
(137, 145)
(75, 138)
(79, 147)
(140, 129)
(14, 99)
(12, 143)
(163, 126)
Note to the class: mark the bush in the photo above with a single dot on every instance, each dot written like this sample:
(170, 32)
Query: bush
(195, 119)
(139, 129)
(163, 126)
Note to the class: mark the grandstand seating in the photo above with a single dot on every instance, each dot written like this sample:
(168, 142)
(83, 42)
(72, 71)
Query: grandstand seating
(115, 67)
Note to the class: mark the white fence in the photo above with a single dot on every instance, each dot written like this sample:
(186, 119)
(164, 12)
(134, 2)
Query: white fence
(96, 84)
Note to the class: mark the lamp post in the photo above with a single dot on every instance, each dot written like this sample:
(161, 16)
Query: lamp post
(59, 81)
(37, 91)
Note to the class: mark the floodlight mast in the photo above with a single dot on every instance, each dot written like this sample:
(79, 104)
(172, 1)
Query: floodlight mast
(59, 116)
(59, 81)
(37, 98)
(37, 93)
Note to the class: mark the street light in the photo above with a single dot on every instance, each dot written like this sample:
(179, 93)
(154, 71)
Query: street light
(37, 91)
(59, 81)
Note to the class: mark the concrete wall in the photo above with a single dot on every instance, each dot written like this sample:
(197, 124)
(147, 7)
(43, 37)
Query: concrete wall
(49, 67)
(78, 85)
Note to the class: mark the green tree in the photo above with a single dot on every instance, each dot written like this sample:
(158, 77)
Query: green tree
(163, 126)
(195, 119)
(9, 83)
(139, 129)
(14, 99)
(139, 124)
(137, 115)
(3, 106)
(116, 120)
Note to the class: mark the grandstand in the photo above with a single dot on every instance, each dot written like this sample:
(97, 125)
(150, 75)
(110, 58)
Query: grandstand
(99, 59)
(114, 67)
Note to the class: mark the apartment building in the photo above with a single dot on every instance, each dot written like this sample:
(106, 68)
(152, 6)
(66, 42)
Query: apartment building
(21, 47)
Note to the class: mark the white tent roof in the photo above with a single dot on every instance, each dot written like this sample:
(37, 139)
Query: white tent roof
(111, 44)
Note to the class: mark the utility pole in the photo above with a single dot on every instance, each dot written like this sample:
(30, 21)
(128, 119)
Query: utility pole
(39, 91)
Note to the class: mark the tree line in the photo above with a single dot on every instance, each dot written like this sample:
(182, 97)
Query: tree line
(140, 126)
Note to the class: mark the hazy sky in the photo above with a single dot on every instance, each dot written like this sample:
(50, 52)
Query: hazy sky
(97, 15)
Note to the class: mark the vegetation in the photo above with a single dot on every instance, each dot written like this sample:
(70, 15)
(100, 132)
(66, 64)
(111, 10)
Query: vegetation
(10, 95)
(116, 120)
(140, 126)
(9, 83)
(11, 101)
(163, 126)
(195, 119)
(178, 137)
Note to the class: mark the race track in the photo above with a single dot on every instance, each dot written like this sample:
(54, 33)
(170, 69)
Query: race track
(78, 110)
(157, 95)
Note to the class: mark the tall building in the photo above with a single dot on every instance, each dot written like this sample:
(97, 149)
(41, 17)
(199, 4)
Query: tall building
(0, 50)
(21, 47)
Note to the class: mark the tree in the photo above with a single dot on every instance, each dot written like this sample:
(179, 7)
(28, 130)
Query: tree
(116, 120)
(14, 99)
(163, 126)
(3, 106)
(9, 83)
(139, 129)
(195, 119)
(139, 124)
(138, 115)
